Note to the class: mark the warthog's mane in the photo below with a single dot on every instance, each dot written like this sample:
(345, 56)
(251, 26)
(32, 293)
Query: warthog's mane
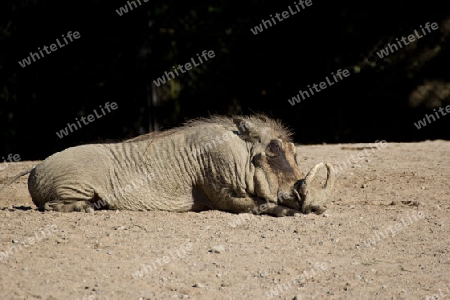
(258, 120)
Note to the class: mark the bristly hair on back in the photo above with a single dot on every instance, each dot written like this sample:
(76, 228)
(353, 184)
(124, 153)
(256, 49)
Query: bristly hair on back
(258, 120)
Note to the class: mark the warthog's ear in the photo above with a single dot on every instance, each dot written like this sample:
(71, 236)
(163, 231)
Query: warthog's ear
(247, 130)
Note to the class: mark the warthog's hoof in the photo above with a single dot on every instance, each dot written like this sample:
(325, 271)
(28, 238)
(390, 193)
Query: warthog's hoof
(315, 199)
(68, 206)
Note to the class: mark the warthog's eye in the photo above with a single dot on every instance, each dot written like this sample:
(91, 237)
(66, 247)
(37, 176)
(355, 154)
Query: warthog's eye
(274, 148)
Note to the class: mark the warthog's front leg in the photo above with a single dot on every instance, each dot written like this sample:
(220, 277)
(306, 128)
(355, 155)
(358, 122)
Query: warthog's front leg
(255, 206)
(68, 206)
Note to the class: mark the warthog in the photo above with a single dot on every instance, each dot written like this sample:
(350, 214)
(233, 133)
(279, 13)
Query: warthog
(244, 163)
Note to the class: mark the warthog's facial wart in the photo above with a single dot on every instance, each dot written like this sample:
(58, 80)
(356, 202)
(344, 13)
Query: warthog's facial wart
(276, 170)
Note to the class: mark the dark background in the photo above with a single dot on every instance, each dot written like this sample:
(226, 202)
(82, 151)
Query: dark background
(117, 58)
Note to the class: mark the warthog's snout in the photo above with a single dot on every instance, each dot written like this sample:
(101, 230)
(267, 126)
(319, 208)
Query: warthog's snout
(291, 198)
(315, 199)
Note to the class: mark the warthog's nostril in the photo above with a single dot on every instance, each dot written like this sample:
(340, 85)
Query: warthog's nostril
(297, 184)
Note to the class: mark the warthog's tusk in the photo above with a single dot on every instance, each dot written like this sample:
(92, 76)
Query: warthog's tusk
(329, 184)
(331, 177)
(315, 199)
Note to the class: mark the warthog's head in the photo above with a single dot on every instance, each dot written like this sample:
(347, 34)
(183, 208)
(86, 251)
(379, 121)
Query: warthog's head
(277, 177)
(273, 157)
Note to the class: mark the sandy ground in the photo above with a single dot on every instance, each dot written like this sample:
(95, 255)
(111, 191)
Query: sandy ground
(384, 236)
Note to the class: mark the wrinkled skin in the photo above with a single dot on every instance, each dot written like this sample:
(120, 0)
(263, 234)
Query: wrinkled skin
(189, 168)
